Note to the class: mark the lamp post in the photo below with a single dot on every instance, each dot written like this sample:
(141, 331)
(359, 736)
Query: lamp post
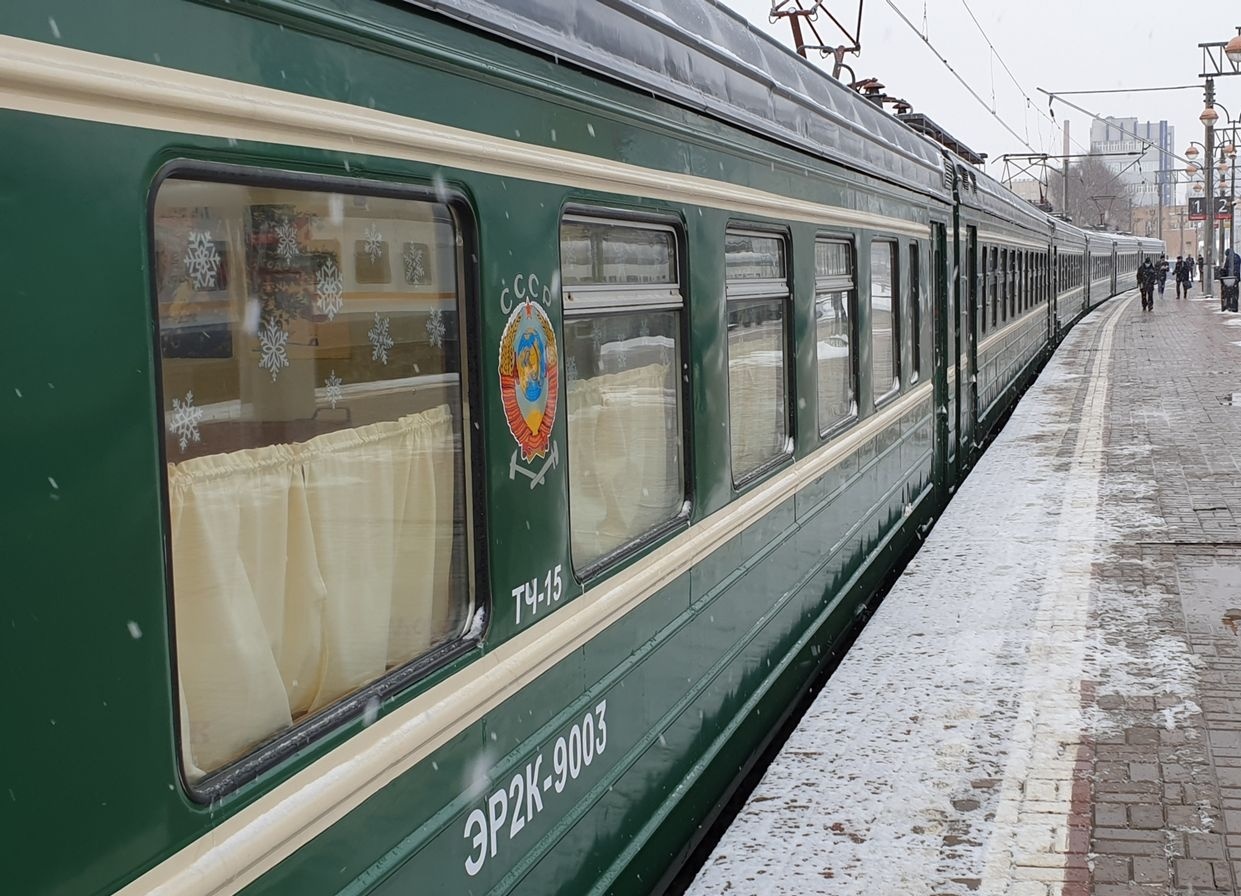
(1226, 140)
(1208, 118)
(1219, 59)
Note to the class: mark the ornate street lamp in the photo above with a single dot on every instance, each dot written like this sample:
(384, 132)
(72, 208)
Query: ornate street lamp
(1232, 49)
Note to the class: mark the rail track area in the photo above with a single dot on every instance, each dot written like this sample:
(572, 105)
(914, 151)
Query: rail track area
(1048, 701)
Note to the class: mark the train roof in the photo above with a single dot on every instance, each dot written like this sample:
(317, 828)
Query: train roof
(708, 58)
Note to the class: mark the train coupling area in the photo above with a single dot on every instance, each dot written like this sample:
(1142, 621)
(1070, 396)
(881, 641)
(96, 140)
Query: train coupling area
(1048, 701)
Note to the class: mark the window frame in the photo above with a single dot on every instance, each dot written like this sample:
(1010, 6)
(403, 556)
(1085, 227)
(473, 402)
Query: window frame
(880, 399)
(849, 285)
(642, 297)
(307, 736)
(755, 290)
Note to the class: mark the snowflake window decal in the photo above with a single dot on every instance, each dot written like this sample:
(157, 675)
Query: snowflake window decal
(286, 246)
(414, 258)
(274, 347)
(436, 328)
(202, 261)
(380, 336)
(184, 420)
(333, 384)
(372, 242)
(330, 290)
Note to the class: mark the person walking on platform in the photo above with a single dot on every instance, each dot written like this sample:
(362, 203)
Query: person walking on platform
(1161, 272)
(1146, 284)
(1180, 273)
(1201, 275)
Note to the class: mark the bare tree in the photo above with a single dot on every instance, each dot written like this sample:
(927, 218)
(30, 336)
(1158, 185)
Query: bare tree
(1097, 195)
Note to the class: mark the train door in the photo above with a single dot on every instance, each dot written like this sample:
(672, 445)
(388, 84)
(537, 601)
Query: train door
(1086, 272)
(947, 380)
(1053, 313)
(969, 329)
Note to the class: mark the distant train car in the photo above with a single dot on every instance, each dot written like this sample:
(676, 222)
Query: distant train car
(446, 444)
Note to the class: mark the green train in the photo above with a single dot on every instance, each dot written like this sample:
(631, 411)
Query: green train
(500, 416)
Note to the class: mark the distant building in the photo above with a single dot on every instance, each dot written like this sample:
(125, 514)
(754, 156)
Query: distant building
(1142, 174)
(1027, 188)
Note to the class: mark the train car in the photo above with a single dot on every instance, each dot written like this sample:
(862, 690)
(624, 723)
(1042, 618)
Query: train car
(1005, 285)
(458, 448)
(467, 433)
(1101, 281)
(1069, 255)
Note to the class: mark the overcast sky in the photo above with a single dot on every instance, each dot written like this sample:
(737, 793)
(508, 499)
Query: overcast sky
(1053, 44)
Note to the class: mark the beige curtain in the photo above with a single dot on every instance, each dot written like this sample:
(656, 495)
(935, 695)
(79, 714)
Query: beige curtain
(756, 419)
(304, 571)
(624, 470)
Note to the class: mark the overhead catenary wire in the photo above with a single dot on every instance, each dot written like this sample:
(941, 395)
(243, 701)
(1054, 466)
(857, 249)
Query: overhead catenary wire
(972, 92)
(997, 55)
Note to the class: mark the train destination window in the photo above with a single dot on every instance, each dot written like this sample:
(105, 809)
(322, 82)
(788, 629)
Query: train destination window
(885, 336)
(622, 362)
(756, 269)
(835, 333)
(310, 368)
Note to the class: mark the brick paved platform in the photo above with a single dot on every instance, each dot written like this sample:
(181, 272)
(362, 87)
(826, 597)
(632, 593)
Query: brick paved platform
(1049, 701)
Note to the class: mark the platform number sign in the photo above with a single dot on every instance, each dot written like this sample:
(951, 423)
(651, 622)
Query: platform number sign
(1198, 210)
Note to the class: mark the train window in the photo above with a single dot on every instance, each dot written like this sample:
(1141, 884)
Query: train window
(756, 269)
(994, 286)
(1004, 285)
(885, 334)
(310, 367)
(982, 286)
(1012, 284)
(1027, 280)
(915, 312)
(1014, 274)
(835, 304)
(623, 352)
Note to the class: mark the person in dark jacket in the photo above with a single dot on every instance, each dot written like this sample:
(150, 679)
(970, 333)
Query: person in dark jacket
(1180, 273)
(1161, 272)
(1229, 275)
(1201, 275)
(1146, 284)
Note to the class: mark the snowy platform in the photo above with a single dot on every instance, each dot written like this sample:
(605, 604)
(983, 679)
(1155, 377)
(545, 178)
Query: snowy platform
(1048, 702)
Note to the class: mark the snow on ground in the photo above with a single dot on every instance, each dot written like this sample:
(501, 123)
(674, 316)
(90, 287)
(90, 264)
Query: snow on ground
(940, 754)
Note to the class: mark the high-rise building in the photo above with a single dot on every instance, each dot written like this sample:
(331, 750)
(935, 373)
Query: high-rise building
(1144, 173)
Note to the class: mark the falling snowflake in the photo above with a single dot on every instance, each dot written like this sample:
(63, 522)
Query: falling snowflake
(331, 292)
(274, 343)
(415, 258)
(202, 261)
(380, 336)
(333, 389)
(183, 423)
(287, 247)
(373, 243)
(436, 328)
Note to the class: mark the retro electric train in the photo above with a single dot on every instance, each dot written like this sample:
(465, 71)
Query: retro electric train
(466, 430)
